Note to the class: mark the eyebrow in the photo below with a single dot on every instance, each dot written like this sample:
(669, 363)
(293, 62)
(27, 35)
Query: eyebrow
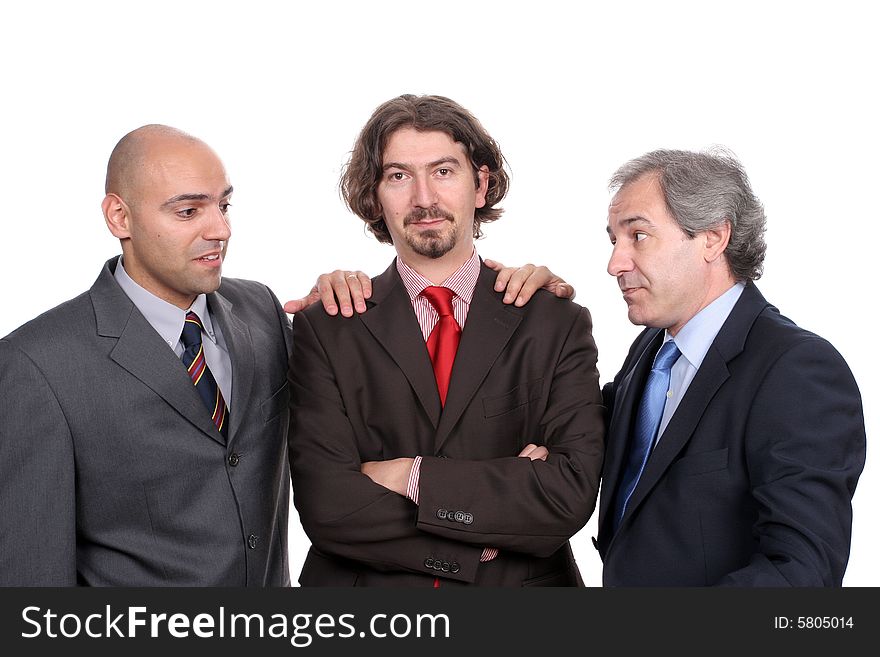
(630, 221)
(195, 197)
(449, 159)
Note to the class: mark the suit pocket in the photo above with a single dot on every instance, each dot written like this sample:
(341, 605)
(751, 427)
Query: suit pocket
(519, 396)
(319, 570)
(276, 403)
(566, 577)
(701, 462)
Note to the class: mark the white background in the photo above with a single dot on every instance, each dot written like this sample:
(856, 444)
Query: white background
(569, 90)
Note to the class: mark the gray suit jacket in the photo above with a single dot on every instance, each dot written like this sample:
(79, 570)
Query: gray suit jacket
(111, 472)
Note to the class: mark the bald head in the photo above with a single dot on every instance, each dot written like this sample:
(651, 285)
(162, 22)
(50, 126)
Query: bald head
(167, 201)
(133, 155)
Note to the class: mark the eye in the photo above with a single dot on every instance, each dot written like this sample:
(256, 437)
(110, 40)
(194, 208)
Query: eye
(396, 176)
(444, 171)
(640, 236)
(186, 213)
(224, 207)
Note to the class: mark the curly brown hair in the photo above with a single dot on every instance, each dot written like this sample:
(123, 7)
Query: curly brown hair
(362, 173)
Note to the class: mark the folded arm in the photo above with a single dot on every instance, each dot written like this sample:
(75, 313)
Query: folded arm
(521, 504)
(342, 510)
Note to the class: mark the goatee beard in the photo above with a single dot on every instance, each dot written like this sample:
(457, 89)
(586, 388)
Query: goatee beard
(430, 243)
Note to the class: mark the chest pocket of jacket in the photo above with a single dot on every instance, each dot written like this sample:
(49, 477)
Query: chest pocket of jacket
(519, 396)
(701, 463)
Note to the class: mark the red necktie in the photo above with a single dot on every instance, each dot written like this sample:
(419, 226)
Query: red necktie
(444, 339)
(442, 343)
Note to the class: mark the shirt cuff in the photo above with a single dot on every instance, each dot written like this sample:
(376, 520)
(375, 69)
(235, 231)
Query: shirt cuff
(488, 554)
(412, 484)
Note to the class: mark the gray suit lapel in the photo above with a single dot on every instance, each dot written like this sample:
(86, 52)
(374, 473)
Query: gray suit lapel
(489, 326)
(393, 324)
(143, 353)
(241, 354)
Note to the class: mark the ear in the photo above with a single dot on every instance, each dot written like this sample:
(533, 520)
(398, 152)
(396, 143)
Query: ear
(117, 216)
(482, 186)
(717, 240)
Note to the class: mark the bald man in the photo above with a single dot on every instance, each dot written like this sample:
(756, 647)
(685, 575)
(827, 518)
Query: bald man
(143, 424)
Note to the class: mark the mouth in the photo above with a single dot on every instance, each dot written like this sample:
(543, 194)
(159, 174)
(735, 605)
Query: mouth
(428, 218)
(629, 292)
(211, 259)
(428, 223)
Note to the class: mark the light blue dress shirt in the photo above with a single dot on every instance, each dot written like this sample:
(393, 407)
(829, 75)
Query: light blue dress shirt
(168, 321)
(694, 340)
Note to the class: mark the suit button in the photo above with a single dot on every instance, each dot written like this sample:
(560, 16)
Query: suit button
(468, 518)
(454, 567)
(441, 513)
(438, 565)
(445, 567)
(429, 562)
(459, 516)
(233, 459)
(252, 541)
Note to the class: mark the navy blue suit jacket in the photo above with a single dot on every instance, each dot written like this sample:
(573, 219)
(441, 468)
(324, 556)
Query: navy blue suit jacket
(752, 480)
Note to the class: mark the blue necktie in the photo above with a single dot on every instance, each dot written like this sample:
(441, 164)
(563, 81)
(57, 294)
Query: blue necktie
(647, 421)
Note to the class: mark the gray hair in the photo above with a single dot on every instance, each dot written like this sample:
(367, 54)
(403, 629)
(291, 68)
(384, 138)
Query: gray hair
(702, 191)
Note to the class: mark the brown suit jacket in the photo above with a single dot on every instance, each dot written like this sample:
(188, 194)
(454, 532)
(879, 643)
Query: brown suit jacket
(363, 389)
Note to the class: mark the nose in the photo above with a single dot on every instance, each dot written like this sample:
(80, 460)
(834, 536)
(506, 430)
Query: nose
(424, 195)
(620, 261)
(218, 228)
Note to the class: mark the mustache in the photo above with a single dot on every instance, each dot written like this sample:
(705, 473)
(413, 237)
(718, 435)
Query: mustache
(420, 214)
(625, 283)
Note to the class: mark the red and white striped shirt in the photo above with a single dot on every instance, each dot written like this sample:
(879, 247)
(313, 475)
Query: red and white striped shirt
(462, 284)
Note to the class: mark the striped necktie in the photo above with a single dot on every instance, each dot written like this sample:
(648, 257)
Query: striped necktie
(193, 358)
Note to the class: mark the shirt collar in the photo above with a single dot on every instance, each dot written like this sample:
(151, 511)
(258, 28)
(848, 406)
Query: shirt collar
(695, 337)
(167, 319)
(461, 282)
